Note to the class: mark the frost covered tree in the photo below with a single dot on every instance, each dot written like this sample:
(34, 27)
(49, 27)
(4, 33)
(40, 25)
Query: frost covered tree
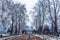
(13, 16)
(54, 9)
(40, 9)
(48, 11)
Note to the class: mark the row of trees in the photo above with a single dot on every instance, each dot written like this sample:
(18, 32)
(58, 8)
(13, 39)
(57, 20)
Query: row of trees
(48, 11)
(13, 16)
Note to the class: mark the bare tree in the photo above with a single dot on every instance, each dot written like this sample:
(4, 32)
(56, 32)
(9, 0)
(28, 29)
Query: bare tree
(54, 13)
(40, 9)
(15, 16)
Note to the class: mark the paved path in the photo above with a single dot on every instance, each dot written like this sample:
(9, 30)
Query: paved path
(27, 37)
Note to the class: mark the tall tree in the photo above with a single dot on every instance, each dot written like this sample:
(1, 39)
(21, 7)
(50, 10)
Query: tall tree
(15, 16)
(56, 9)
(40, 9)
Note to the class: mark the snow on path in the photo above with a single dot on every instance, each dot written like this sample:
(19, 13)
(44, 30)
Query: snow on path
(10, 37)
(47, 37)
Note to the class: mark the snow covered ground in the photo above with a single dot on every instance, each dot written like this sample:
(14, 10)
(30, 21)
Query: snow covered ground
(10, 37)
(48, 37)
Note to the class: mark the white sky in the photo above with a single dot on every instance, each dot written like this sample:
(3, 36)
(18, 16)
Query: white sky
(29, 5)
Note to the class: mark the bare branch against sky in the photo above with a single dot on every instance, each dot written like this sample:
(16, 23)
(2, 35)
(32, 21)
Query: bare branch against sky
(29, 5)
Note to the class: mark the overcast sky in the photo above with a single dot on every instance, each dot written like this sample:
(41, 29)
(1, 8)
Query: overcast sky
(29, 3)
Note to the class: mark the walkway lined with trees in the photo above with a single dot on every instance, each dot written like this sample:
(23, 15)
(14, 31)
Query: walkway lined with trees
(28, 37)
